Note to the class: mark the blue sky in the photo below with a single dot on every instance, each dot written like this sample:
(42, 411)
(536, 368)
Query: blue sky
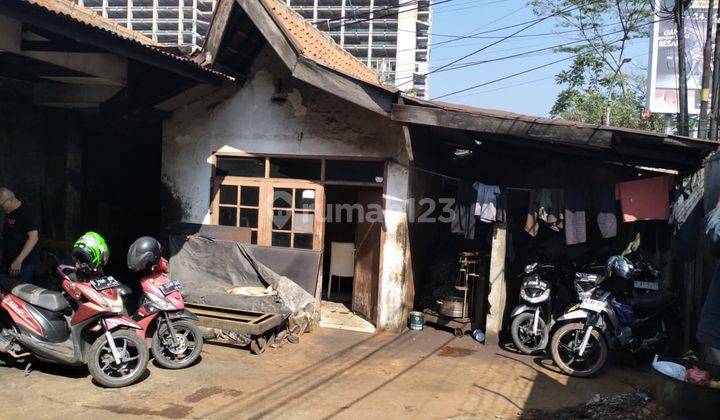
(532, 93)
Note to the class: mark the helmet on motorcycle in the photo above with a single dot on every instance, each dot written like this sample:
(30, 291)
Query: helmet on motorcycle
(90, 252)
(619, 266)
(144, 253)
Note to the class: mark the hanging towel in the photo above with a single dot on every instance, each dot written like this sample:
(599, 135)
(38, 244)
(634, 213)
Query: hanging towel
(463, 222)
(575, 232)
(606, 207)
(486, 202)
(645, 199)
(531, 222)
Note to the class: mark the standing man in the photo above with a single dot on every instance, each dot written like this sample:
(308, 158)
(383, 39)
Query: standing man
(19, 237)
(708, 332)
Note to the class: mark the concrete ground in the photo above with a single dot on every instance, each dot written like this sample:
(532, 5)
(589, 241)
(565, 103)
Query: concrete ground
(329, 374)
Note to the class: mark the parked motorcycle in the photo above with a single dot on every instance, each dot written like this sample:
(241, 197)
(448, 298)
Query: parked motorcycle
(81, 325)
(544, 294)
(613, 317)
(174, 337)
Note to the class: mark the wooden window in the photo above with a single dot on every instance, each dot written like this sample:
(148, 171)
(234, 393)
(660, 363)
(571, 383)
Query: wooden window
(237, 203)
(294, 216)
(278, 213)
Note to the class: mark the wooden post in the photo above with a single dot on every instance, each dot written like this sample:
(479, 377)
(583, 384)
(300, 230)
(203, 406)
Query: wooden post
(497, 294)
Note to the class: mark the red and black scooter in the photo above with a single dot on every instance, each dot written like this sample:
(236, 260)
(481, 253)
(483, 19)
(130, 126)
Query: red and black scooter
(170, 330)
(81, 325)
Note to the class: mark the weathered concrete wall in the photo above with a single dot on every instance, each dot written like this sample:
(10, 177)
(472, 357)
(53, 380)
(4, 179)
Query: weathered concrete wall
(311, 122)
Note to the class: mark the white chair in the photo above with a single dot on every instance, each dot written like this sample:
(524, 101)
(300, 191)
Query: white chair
(342, 262)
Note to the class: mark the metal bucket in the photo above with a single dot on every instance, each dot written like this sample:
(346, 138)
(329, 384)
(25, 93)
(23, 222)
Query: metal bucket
(683, 398)
(416, 320)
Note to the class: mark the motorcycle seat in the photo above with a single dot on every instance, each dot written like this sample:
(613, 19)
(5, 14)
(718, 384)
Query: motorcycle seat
(653, 300)
(42, 298)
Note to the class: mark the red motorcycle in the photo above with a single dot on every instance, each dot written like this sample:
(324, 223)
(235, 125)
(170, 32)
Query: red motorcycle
(81, 325)
(175, 340)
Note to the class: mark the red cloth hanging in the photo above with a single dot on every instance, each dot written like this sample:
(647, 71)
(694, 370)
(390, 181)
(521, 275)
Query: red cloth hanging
(645, 199)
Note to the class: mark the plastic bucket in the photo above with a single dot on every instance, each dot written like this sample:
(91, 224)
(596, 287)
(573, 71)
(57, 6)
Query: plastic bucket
(416, 320)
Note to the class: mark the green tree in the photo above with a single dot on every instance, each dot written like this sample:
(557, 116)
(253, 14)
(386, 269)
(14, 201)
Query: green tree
(603, 29)
(590, 107)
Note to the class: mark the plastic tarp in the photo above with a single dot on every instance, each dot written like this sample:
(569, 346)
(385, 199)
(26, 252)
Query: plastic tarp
(207, 268)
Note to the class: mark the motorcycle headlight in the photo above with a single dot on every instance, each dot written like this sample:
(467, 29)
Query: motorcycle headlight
(115, 306)
(534, 295)
(160, 303)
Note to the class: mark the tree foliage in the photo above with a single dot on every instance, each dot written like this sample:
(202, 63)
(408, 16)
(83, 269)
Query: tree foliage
(598, 73)
(589, 107)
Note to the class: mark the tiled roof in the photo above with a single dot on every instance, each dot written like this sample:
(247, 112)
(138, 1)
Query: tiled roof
(89, 17)
(317, 45)
(80, 15)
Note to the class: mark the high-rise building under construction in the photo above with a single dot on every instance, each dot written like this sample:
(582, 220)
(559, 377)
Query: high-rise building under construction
(390, 36)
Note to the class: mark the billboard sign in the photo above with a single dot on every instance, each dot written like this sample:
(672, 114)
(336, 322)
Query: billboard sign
(663, 68)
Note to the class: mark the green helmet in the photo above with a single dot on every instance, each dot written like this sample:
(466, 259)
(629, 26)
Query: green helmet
(91, 251)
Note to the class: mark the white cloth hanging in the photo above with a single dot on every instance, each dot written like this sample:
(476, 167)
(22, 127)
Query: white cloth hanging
(486, 202)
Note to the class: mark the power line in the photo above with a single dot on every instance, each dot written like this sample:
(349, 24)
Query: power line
(500, 79)
(528, 26)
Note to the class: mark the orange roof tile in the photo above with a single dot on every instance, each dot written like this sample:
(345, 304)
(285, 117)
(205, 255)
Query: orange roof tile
(88, 17)
(317, 45)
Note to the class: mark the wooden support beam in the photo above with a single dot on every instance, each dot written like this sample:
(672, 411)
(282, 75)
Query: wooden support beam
(109, 67)
(269, 29)
(372, 98)
(215, 37)
(497, 296)
(578, 136)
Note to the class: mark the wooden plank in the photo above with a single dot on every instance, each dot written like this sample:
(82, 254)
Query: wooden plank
(498, 295)
(216, 32)
(269, 29)
(367, 259)
(373, 98)
(585, 137)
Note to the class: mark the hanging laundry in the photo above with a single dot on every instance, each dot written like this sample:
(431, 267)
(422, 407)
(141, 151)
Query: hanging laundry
(575, 229)
(486, 202)
(531, 222)
(604, 197)
(645, 199)
(551, 204)
(502, 206)
(463, 222)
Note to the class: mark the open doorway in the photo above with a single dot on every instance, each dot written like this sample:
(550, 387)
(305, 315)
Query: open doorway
(351, 260)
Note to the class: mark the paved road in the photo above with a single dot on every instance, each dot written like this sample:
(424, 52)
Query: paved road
(329, 374)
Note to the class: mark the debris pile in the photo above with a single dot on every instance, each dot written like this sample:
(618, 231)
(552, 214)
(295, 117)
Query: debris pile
(624, 406)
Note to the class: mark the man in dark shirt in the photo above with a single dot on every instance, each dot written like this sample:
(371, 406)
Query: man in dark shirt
(709, 327)
(19, 237)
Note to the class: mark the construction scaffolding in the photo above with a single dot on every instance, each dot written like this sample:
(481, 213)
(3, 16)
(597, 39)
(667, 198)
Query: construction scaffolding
(177, 23)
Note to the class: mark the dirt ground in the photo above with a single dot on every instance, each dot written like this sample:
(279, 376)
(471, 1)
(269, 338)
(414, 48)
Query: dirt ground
(329, 374)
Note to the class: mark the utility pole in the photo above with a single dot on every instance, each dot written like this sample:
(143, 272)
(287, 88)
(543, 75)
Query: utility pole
(712, 135)
(683, 128)
(707, 74)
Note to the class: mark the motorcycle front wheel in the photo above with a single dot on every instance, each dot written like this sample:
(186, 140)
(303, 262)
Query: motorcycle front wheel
(565, 342)
(525, 340)
(133, 359)
(185, 351)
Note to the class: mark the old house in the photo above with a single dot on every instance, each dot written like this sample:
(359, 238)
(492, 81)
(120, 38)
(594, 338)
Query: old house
(275, 131)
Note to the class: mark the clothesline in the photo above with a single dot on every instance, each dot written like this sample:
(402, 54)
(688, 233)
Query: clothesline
(452, 178)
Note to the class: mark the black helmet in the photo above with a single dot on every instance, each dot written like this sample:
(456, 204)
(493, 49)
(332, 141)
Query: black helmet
(144, 253)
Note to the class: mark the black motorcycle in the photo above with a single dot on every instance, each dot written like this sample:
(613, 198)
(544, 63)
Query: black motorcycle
(614, 317)
(545, 291)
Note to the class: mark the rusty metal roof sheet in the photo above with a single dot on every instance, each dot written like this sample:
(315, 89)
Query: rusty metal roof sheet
(88, 18)
(317, 45)
(555, 121)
